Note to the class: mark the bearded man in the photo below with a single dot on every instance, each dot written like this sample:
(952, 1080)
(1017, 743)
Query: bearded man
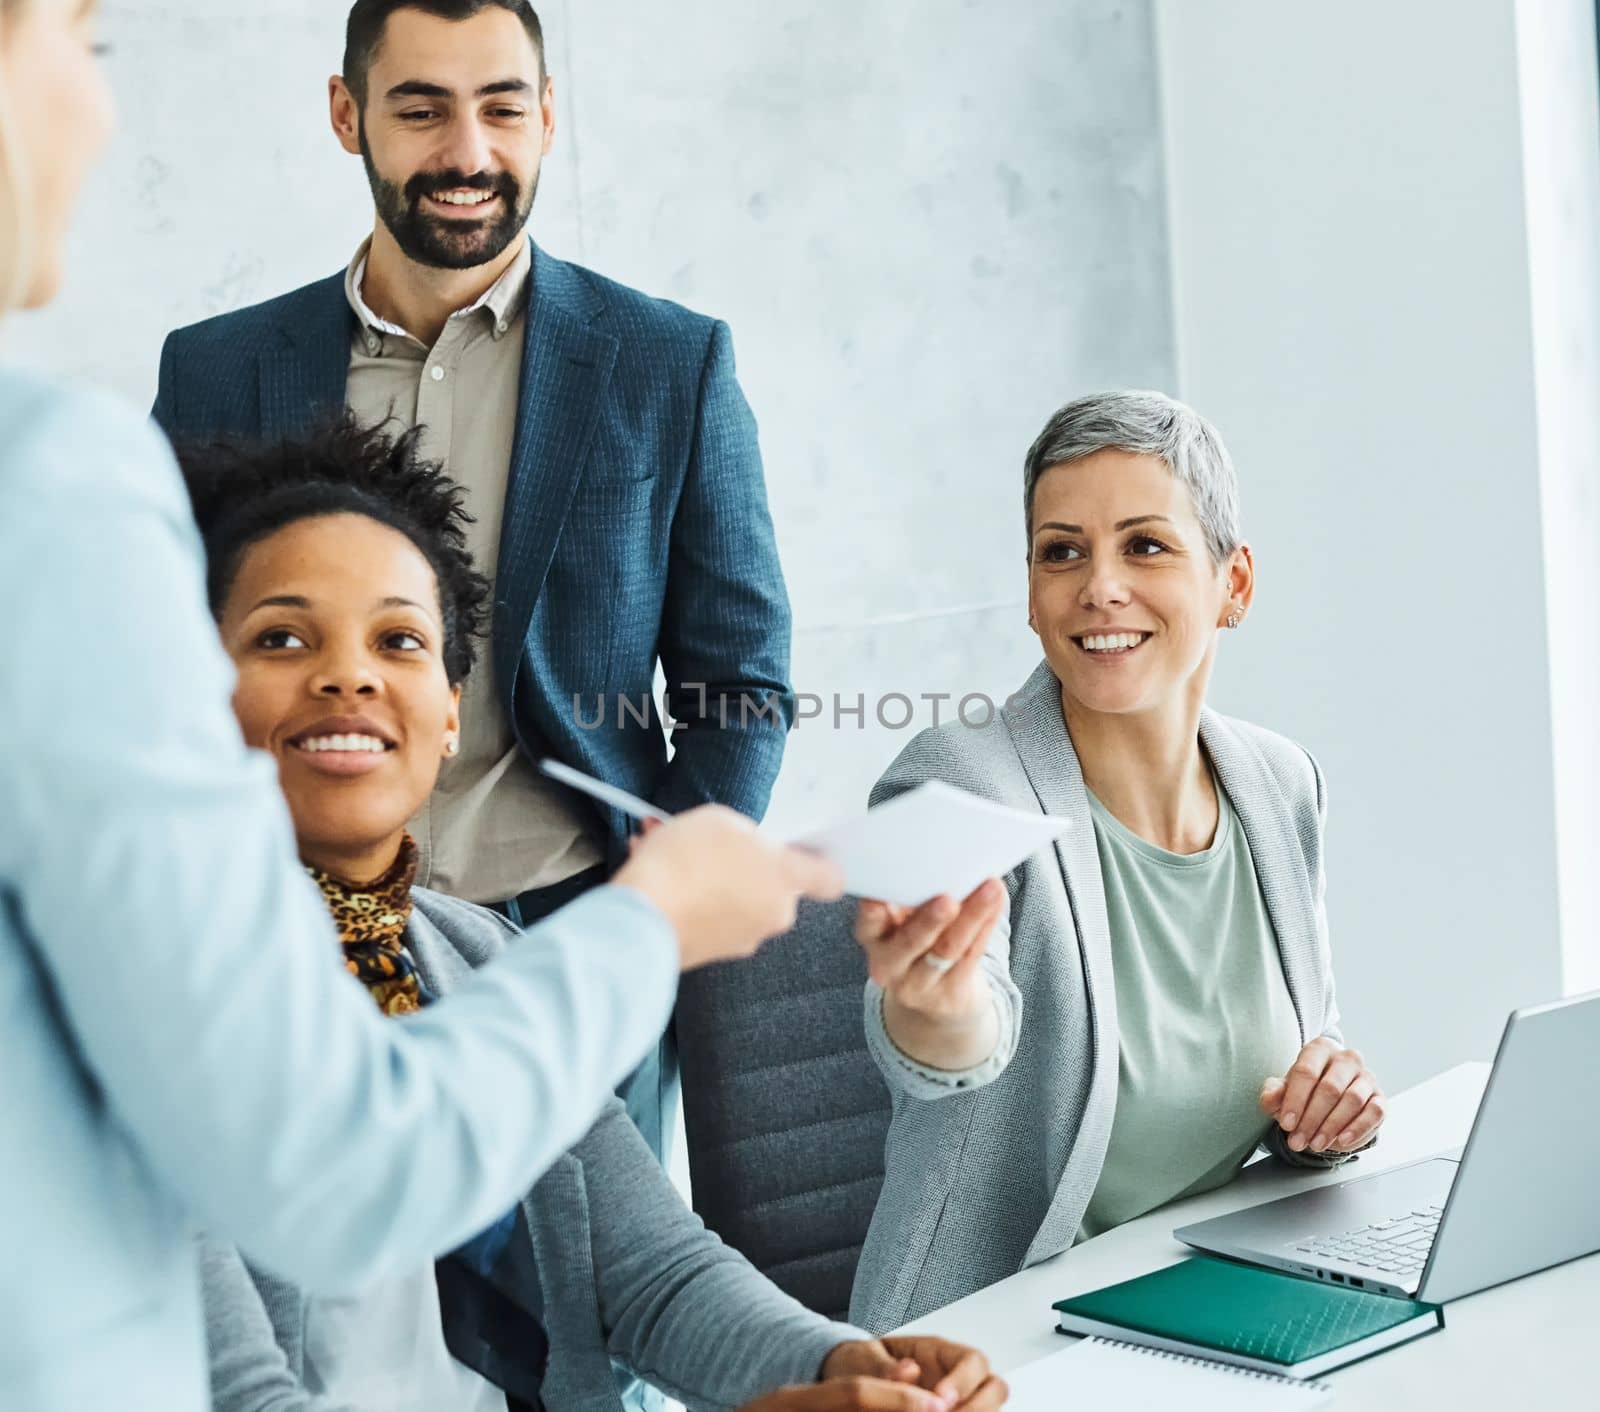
(608, 456)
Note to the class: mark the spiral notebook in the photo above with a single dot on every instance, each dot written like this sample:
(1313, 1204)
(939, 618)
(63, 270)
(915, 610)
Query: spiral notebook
(1093, 1373)
(1248, 1317)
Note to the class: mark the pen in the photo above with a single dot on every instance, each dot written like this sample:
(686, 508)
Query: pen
(605, 793)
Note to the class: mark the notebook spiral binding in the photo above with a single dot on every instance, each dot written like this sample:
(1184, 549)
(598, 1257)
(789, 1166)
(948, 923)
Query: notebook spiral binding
(1214, 1366)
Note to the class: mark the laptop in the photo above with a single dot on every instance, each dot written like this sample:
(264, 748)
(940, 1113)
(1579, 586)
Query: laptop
(1521, 1196)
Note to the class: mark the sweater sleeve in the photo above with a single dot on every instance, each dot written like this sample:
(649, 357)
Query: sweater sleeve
(679, 1307)
(250, 1370)
(1276, 1141)
(912, 1079)
(905, 1076)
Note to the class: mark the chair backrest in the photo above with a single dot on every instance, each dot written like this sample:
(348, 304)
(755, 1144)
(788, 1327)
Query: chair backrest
(784, 1108)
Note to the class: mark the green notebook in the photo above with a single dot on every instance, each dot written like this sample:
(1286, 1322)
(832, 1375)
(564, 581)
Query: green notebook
(1252, 1317)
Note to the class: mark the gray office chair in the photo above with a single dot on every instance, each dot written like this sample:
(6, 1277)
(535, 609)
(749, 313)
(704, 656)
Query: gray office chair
(784, 1108)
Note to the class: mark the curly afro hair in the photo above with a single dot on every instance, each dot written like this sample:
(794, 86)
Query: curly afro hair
(241, 494)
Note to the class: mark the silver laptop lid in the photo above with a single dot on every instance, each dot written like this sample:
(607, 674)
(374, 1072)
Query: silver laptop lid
(1525, 1195)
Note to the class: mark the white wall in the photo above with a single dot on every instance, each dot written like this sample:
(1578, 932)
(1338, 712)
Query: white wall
(928, 226)
(223, 187)
(1351, 268)
(1561, 158)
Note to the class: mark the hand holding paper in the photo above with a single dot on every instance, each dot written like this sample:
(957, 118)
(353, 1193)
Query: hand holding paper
(937, 1003)
(723, 885)
(912, 856)
(933, 840)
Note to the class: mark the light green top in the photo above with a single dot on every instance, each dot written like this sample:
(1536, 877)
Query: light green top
(1203, 1011)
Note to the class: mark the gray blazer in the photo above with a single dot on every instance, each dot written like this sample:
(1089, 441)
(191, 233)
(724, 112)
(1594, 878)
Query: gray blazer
(984, 1180)
(607, 1254)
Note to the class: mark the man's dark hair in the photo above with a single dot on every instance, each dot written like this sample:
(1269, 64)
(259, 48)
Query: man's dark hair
(242, 494)
(364, 30)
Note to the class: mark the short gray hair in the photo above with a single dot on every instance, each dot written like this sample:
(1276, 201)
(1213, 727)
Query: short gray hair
(1145, 424)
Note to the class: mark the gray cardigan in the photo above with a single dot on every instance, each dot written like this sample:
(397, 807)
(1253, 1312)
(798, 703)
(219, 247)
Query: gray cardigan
(622, 1268)
(987, 1178)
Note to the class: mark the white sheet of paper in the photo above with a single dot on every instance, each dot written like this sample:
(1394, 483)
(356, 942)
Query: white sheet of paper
(932, 839)
(1090, 1373)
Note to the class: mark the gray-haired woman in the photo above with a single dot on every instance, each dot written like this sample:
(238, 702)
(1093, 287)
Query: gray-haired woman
(1157, 1000)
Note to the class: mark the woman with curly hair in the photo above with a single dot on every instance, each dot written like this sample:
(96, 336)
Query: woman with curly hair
(348, 603)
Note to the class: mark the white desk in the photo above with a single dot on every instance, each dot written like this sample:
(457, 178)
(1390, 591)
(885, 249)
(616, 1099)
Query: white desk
(1531, 1343)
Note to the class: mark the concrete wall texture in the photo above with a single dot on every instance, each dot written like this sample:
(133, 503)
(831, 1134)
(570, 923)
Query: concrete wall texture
(1350, 228)
(930, 224)
(1561, 161)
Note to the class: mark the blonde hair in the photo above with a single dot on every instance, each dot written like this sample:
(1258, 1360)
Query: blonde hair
(16, 219)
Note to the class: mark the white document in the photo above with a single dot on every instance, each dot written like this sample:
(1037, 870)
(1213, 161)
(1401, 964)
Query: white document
(932, 839)
(1092, 1373)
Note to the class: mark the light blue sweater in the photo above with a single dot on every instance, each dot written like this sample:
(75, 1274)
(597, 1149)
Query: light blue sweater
(607, 1257)
(178, 1044)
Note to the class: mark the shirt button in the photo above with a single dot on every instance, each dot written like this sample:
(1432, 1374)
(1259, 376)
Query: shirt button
(438, 373)
(372, 344)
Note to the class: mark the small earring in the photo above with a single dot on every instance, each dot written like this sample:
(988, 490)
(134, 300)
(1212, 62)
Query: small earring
(452, 745)
(1235, 618)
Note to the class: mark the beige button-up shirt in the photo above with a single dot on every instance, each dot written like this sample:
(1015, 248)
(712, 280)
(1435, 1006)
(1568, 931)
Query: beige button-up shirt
(494, 827)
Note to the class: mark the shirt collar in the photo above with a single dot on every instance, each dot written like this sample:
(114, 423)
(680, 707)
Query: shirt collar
(501, 298)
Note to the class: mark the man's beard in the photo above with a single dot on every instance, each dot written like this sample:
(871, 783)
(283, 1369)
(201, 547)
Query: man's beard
(439, 241)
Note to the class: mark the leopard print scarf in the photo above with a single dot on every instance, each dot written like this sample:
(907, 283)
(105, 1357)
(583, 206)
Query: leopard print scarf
(372, 922)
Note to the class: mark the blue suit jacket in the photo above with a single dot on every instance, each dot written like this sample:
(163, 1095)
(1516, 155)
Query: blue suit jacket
(636, 524)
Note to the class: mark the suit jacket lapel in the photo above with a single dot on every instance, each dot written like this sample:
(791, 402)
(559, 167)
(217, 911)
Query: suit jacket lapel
(1270, 828)
(566, 370)
(303, 375)
(441, 966)
(493, 1330)
(1040, 734)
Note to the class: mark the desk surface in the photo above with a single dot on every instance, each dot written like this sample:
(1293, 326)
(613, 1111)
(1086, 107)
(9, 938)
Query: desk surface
(1527, 1343)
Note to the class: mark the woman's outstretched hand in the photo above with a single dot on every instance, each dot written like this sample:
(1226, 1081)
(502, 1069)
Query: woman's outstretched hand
(928, 960)
(1328, 1102)
(723, 885)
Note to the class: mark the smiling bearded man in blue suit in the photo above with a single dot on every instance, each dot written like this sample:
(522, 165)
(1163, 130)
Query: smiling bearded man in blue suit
(608, 455)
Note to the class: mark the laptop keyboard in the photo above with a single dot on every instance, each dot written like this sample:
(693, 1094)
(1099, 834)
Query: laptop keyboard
(1398, 1246)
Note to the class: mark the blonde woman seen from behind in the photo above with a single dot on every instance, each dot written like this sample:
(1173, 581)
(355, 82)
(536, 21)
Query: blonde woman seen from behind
(179, 1045)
